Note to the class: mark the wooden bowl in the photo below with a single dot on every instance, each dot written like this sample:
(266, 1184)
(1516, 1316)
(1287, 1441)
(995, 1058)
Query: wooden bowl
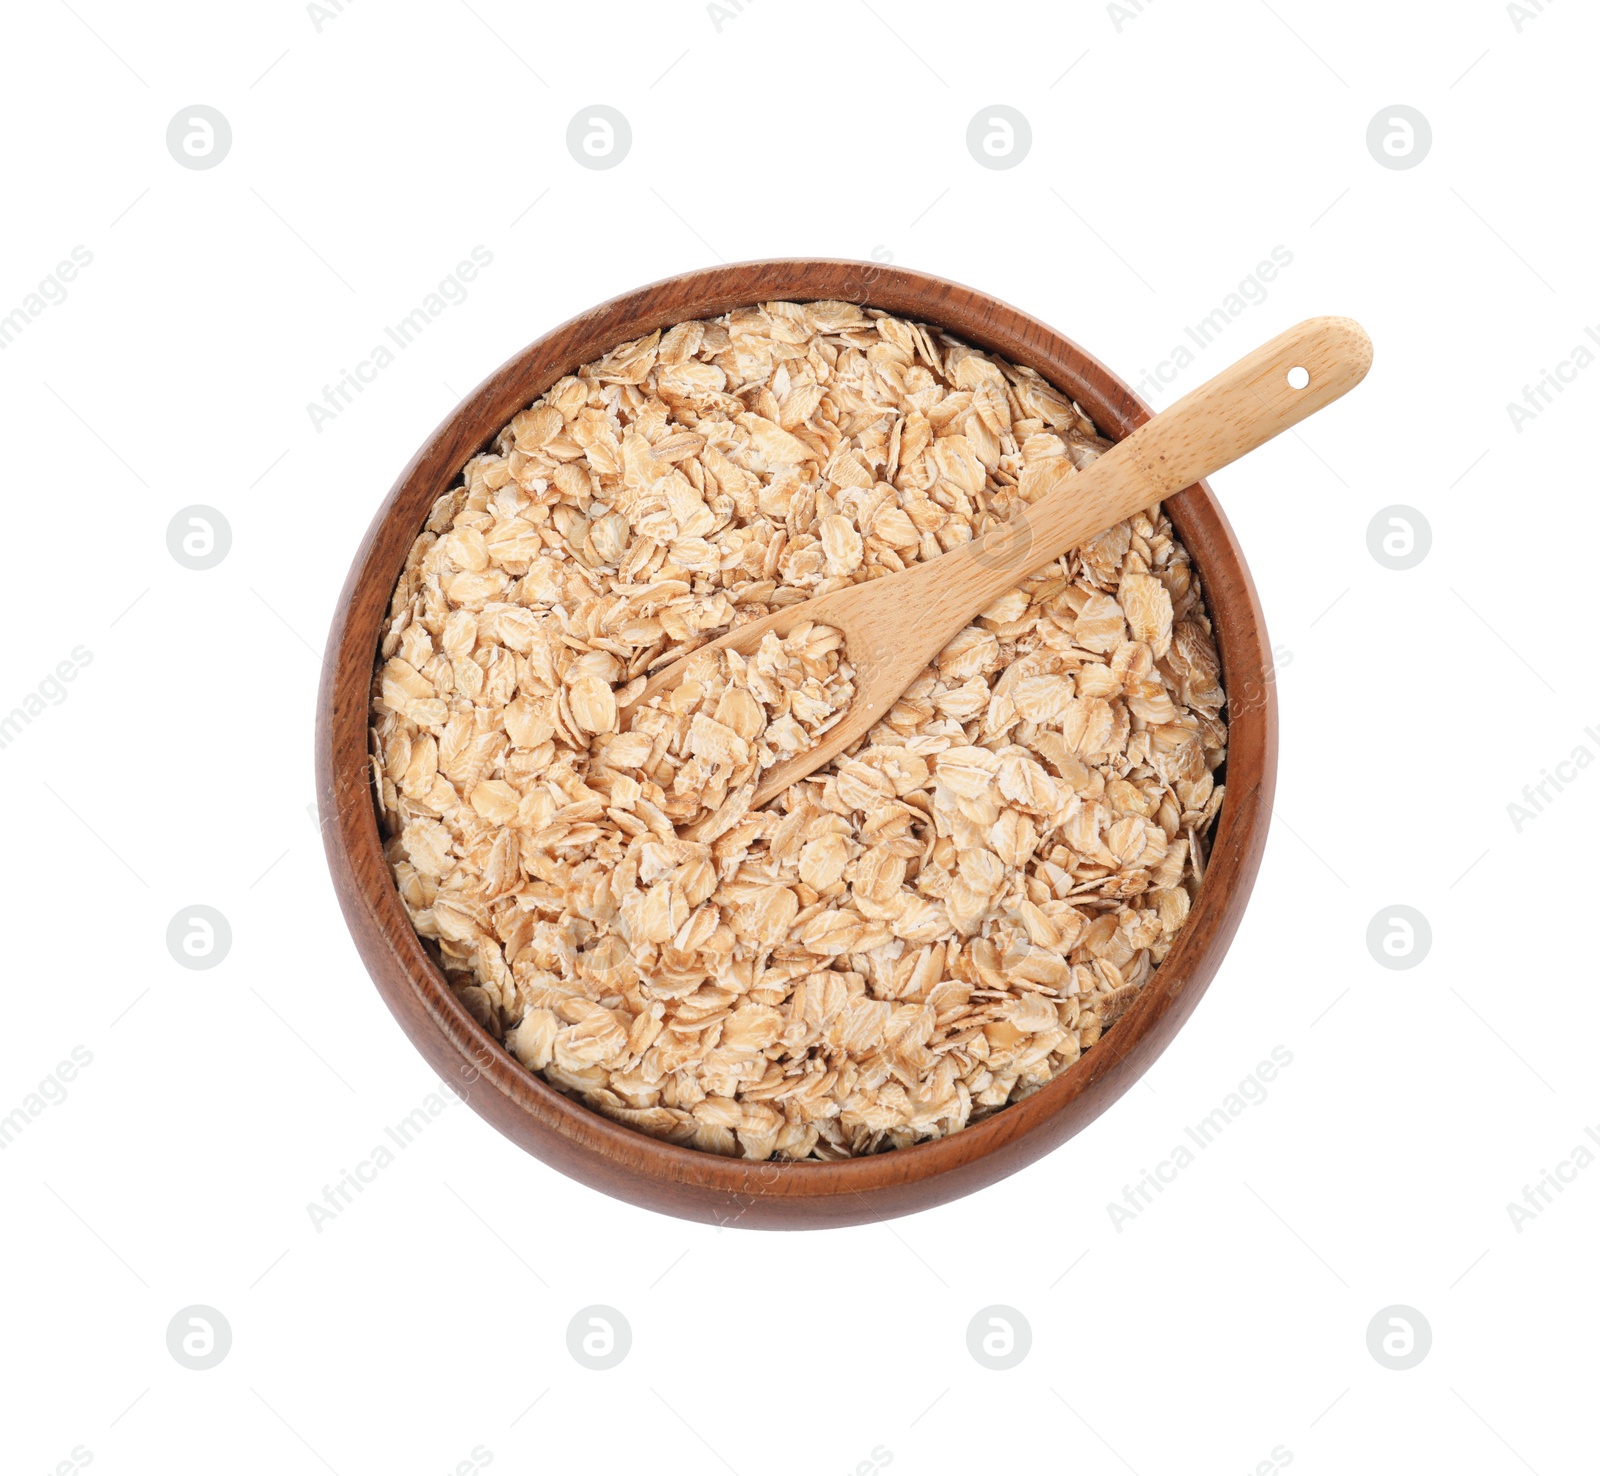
(683, 1181)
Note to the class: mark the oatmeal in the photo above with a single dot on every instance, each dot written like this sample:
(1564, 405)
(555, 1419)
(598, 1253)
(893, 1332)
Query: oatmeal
(932, 925)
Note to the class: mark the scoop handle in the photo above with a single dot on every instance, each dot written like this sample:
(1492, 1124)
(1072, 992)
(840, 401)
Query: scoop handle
(1243, 407)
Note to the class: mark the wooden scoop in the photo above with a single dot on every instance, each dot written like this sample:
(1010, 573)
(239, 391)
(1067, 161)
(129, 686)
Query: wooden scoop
(894, 626)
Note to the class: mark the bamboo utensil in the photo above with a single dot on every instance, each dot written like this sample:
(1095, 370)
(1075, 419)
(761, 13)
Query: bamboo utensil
(894, 626)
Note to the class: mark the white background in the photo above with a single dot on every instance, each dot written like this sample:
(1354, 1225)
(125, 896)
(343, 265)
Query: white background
(1171, 152)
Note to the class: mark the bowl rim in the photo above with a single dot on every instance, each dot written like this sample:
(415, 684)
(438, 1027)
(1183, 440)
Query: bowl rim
(579, 1140)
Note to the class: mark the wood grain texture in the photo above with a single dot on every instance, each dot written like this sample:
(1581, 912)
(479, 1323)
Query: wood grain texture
(681, 1181)
(894, 626)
